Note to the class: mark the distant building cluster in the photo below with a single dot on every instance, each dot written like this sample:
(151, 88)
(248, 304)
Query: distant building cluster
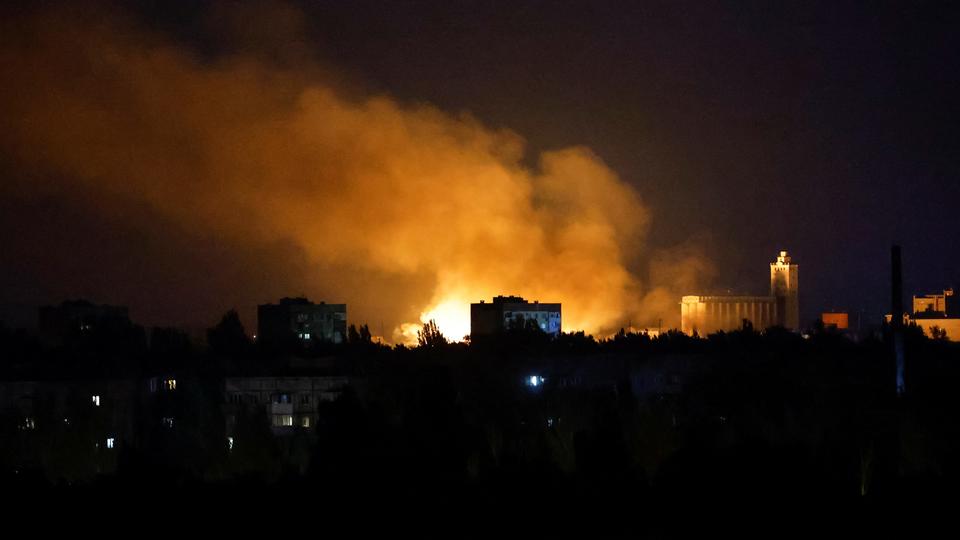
(704, 315)
(937, 314)
(506, 312)
(299, 319)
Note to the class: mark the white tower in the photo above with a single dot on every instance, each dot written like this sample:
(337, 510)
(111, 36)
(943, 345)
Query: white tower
(783, 285)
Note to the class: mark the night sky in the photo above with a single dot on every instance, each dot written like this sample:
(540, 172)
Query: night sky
(825, 128)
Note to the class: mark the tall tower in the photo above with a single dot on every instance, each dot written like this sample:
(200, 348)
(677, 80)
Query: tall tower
(783, 285)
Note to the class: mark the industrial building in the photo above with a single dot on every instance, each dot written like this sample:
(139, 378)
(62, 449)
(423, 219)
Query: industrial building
(704, 315)
(507, 311)
(945, 305)
(302, 319)
(937, 312)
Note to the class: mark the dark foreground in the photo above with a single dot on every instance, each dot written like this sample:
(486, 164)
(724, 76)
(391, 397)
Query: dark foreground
(746, 432)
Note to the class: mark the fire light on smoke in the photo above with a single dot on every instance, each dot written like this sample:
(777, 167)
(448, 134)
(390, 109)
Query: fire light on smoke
(406, 213)
(452, 316)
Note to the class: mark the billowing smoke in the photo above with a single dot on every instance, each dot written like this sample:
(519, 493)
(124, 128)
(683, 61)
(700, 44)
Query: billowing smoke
(405, 212)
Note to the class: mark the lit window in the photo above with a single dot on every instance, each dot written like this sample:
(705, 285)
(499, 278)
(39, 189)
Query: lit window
(96, 400)
(109, 442)
(229, 443)
(305, 421)
(306, 336)
(534, 380)
(283, 420)
(170, 384)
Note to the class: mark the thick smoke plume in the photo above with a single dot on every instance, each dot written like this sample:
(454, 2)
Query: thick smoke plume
(404, 212)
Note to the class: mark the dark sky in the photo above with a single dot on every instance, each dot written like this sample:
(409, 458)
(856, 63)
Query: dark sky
(825, 128)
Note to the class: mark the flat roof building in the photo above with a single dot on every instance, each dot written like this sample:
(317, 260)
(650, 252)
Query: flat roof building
(937, 314)
(302, 319)
(507, 311)
(836, 320)
(936, 305)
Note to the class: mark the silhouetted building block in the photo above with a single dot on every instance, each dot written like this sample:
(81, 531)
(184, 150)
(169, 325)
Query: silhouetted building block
(89, 421)
(289, 402)
(506, 311)
(302, 319)
(708, 314)
(74, 319)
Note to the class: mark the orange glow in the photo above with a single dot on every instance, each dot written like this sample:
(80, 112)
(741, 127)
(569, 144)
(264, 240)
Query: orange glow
(452, 316)
(402, 211)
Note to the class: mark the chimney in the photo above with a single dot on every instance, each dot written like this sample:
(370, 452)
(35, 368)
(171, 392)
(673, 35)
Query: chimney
(896, 316)
(896, 289)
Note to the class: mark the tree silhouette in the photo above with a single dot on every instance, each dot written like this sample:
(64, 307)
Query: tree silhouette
(430, 336)
(938, 333)
(353, 336)
(357, 336)
(228, 336)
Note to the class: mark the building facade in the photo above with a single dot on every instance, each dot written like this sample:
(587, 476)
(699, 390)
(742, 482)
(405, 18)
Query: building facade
(937, 305)
(507, 311)
(290, 402)
(709, 314)
(302, 319)
(836, 320)
(784, 276)
(704, 315)
(937, 314)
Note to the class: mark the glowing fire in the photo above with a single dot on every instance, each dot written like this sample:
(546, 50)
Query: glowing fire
(452, 316)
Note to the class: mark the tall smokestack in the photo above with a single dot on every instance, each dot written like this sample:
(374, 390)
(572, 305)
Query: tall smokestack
(896, 300)
(896, 313)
